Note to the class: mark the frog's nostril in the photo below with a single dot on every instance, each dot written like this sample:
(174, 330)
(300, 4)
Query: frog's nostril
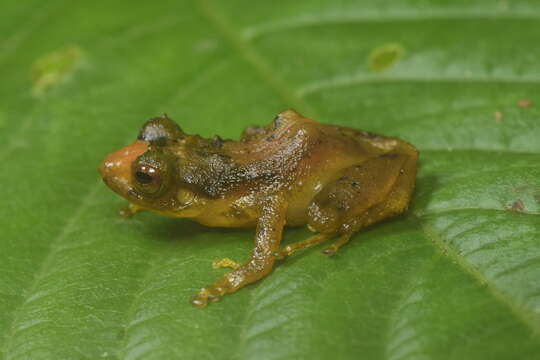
(107, 167)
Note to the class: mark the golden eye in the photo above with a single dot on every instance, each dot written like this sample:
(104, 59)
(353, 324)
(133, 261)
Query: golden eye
(147, 178)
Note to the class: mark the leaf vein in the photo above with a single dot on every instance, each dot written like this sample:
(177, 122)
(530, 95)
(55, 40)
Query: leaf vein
(262, 68)
(524, 315)
(45, 266)
(421, 214)
(348, 80)
(261, 29)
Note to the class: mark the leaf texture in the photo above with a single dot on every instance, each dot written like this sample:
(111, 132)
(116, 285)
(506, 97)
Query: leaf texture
(456, 277)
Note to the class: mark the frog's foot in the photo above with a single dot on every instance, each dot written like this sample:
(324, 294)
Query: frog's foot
(294, 247)
(228, 283)
(342, 240)
(209, 293)
(248, 272)
(129, 210)
(225, 262)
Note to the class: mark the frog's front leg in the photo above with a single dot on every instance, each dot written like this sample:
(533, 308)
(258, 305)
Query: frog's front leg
(267, 239)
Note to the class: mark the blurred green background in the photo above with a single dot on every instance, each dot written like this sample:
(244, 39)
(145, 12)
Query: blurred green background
(457, 277)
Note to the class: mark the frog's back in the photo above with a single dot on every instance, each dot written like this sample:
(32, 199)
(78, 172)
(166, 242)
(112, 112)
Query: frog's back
(328, 151)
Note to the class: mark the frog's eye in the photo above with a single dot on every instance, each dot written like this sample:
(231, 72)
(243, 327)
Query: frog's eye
(147, 178)
(152, 173)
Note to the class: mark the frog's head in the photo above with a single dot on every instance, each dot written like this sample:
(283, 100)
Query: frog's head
(145, 171)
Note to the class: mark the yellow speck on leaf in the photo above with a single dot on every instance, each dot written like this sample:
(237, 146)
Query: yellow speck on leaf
(51, 69)
(385, 56)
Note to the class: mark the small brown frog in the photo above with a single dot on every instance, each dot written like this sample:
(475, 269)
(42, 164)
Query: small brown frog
(293, 172)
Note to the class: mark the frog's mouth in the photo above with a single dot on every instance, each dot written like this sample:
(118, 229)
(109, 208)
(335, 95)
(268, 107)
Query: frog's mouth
(115, 169)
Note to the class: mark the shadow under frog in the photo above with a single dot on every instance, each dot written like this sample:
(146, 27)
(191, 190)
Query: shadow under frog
(293, 172)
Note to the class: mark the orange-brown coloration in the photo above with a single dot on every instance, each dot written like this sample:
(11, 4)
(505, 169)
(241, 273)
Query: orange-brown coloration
(294, 171)
(115, 169)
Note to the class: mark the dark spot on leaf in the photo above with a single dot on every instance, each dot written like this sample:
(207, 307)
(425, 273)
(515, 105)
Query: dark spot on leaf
(517, 206)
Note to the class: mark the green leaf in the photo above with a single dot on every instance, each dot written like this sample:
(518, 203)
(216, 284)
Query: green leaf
(456, 277)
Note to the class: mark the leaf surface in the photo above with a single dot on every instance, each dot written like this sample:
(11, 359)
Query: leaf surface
(456, 277)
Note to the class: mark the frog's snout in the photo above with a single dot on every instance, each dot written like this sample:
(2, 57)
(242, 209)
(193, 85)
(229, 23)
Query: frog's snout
(115, 169)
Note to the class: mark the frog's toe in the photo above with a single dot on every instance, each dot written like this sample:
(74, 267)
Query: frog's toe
(198, 301)
(201, 299)
(283, 253)
(206, 294)
(329, 251)
(342, 240)
(225, 262)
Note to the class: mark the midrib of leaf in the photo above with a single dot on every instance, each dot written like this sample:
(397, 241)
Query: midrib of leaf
(271, 79)
(524, 315)
(266, 73)
(296, 97)
(269, 76)
(220, 21)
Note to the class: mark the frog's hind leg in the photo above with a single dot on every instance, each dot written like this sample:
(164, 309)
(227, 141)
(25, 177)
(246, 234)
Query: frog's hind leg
(371, 216)
(342, 240)
(363, 195)
(394, 203)
(294, 247)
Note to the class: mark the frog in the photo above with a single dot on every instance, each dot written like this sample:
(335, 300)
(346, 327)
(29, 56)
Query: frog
(294, 171)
